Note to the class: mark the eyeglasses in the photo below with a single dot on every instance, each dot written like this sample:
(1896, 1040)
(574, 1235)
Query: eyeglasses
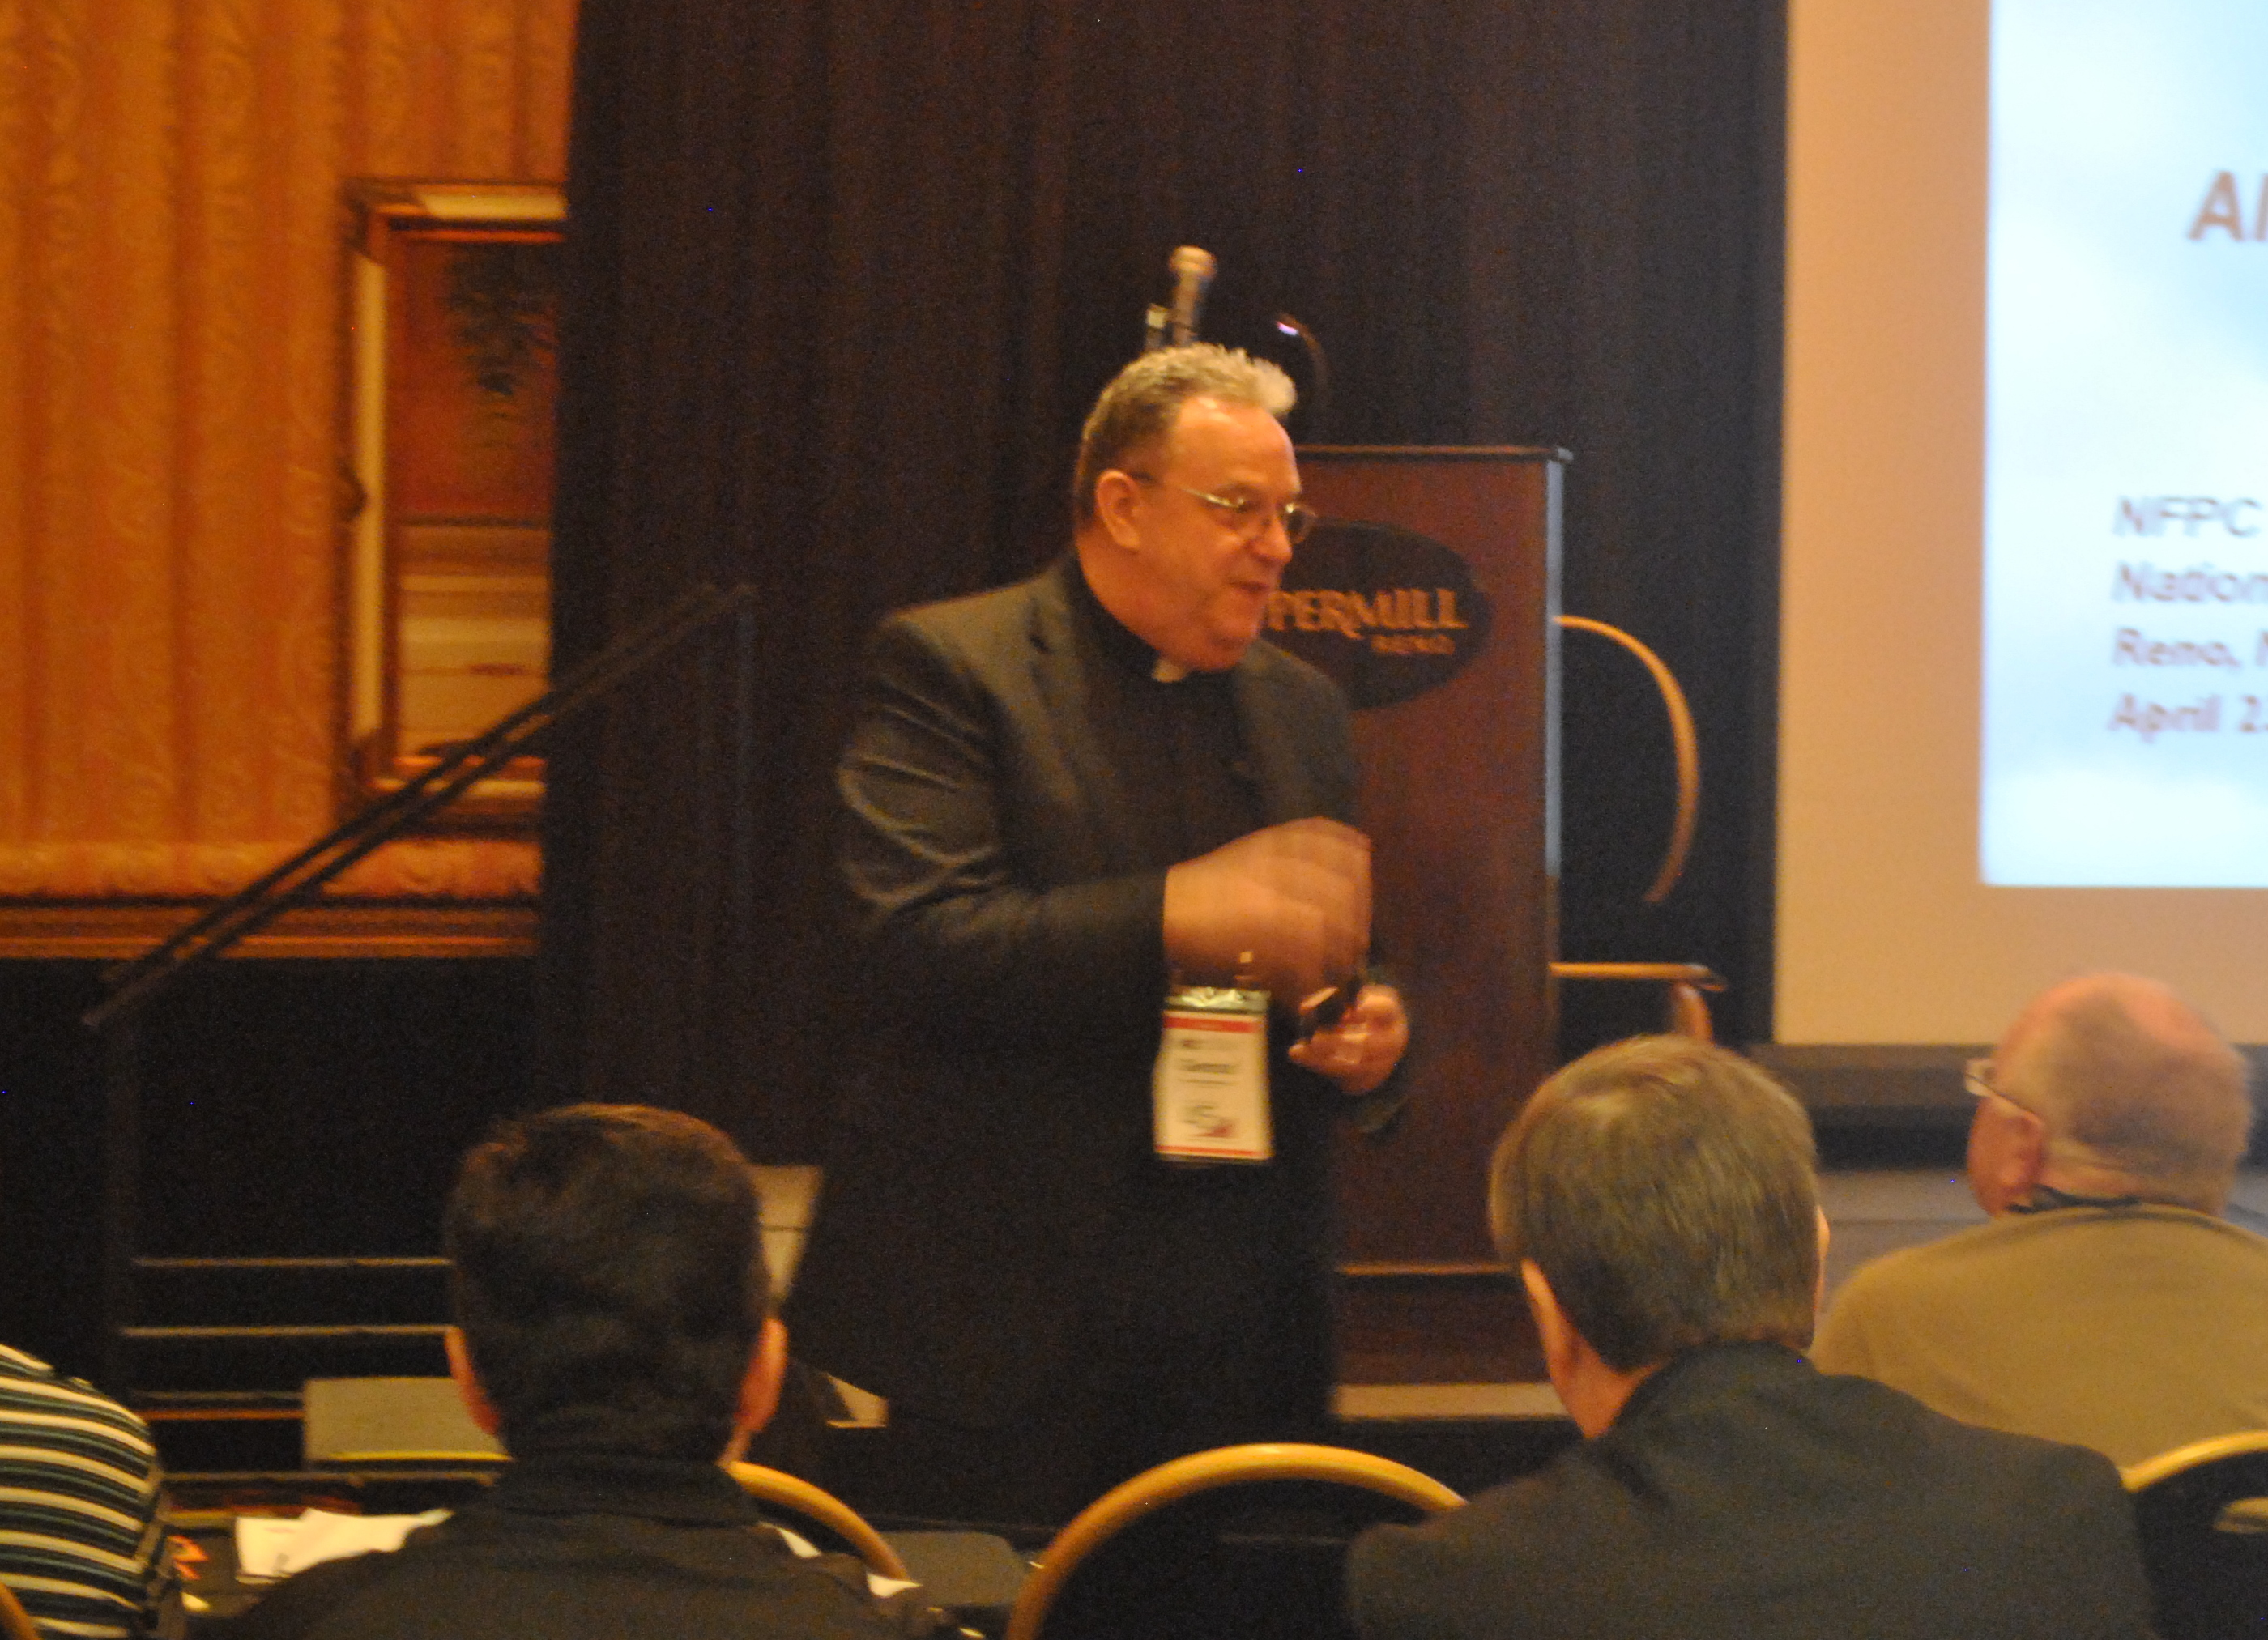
(1976, 1076)
(1248, 515)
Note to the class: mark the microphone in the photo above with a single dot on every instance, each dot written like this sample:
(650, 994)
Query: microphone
(1192, 270)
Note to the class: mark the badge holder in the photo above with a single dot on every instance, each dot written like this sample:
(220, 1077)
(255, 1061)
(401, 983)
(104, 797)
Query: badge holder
(1209, 1093)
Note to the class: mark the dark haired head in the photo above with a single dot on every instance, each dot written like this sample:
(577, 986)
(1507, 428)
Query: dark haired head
(1666, 1190)
(609, 1280)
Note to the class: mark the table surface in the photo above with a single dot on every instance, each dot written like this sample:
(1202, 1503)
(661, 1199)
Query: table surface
(974, 1576)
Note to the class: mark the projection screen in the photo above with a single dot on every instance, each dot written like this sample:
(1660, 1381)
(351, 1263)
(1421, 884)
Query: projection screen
(2024, 683)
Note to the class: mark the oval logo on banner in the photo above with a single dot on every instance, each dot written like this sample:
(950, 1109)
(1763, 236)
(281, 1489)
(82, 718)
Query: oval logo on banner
(1388, 612)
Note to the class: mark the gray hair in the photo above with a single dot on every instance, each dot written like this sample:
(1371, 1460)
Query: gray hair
(1140, 405)
(1669, 1191)
(2131, 1079)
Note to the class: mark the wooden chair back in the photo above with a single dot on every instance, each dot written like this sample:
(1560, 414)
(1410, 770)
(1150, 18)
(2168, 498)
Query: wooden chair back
(15, 1623)
(810, 1505)
(2201, 1514)
(1272, 1489)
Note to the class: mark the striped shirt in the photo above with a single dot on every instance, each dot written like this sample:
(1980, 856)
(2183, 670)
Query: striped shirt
(80, 1541)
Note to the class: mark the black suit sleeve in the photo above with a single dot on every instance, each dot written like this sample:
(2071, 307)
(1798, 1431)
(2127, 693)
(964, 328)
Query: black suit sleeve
(950, 933)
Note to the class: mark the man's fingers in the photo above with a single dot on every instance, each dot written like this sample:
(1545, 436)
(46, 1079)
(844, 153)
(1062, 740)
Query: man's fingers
(1296, 896)
(1362, 1051)
(1324, 843)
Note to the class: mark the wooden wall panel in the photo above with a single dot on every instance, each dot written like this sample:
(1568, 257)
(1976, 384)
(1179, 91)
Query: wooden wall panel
(171, 331)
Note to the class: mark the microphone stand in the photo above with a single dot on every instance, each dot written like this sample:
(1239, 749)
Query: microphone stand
(1319, 369)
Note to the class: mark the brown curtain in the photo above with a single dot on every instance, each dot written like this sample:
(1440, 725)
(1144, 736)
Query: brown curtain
(846, 273)
(170, 332)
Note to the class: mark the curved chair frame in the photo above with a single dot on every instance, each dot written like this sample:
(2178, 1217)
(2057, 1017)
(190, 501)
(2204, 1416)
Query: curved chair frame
(1689, 1009)
(2201, 1510)
(791, 1492)
(15, 1623)
(1686, 744)
(1201, 1472)
(2150, 1471)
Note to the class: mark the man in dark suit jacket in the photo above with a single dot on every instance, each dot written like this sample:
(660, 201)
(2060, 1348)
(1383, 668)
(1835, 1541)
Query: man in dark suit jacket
(614, 1331)
(1061, 798)
(1658, 1200)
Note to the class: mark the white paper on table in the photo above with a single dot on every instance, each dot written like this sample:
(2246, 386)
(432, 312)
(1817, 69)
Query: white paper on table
(267, 1547)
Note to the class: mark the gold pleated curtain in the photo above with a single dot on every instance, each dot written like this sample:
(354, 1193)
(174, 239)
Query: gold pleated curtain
(171, 333)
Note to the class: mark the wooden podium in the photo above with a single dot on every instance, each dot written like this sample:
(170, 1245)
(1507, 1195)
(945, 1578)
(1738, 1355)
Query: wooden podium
(1431, 591)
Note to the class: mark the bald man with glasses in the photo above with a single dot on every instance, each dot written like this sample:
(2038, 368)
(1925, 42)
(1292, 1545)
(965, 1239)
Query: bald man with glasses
(2108, 1302)
(1065, 801)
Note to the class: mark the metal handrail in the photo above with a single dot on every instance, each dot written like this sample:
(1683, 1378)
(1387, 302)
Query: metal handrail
(134, 984)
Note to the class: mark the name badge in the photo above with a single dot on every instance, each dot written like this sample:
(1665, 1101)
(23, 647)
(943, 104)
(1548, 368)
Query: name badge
(1209, 1093)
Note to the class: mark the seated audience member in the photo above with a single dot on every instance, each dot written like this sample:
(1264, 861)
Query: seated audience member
(2107, 1302)
(613, 1332)
(1658, 1200)
(80, 1543)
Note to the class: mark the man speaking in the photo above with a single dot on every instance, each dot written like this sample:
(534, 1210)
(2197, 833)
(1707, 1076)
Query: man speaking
(1068, 805)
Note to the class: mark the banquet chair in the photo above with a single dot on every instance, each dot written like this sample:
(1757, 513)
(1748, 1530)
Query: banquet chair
(820, 1516)
(2202, 1514)
(1240, 1541)
(15, 1623)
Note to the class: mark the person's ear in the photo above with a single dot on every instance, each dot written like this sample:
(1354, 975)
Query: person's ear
(2029, 1150)
(1118, 500)
(1553, 1329)
(469, 1389)
(2007, 1150)
(1819, 1282)
(759, 1387)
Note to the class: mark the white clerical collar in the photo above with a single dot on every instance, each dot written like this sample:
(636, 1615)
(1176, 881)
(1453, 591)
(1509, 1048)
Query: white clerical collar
(1168, 671)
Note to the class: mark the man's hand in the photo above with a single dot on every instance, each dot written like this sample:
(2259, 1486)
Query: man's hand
(1361, 1050)
(1296, 897)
